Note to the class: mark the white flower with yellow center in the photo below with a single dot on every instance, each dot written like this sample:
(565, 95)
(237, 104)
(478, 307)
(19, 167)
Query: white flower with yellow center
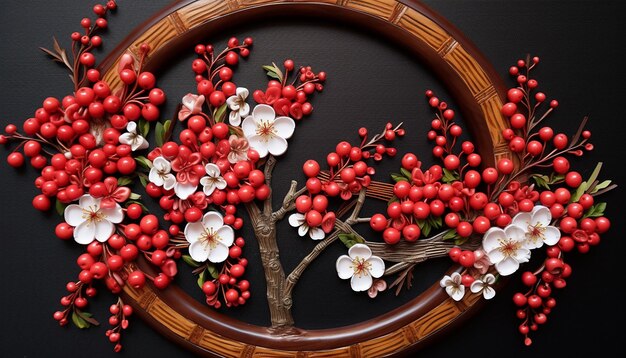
(210, 238)
(505, 248)
(537, 226)
(213, 180)
(267, 133)
(484, 285)
(360, 266)
(90, 221)
(238, 106)
(453, 285)
(160, 173)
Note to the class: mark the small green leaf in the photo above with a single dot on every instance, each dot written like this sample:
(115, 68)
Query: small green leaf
(159, 133)
(60, 207)
(541, 180)
(451, 234)
(87, 317)
(450, 176)
(595, 211)
(143, 179)
(273, 75)
(350, 239)
(460, 241)
(201, 278)
(212, 270)
(144, 162)
(274, 72)
(191, 262)
(397, 177)
(124, 181)
(579, 192)
(601, 186)
(407, 174)
(144, 127)
(594, 175)
(424, 227)
(220, 113)
(134, 196)
(79, 321)
(554, 179)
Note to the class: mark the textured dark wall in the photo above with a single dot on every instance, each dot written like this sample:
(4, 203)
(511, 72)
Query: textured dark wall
(369, 81)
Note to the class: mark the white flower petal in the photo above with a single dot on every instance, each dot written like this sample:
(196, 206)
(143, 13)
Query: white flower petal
(361, 251)
(233, 103)
(242, 93)
(131, 127)
(284, 127)
(457, 278)
(521, 255)
(212, 170)
(226, 235)
(296, 219)
(507, 266)
(361, 282)
(263, 112)
(249, 126)
(127, 138)
(541, 215)
(234, 118)
(183, 191)
(155, 177)
(377, 268)
(115, 214)
(316, 233)
(193, 232)
(277, 145)
(495, 255)
(522, 220)
(477, 286)
(491, 240)
(489, 279)
(85, 233)
(219, 253)
(344, 267)
(515, 233)
(87, 201)
(303, 229)
(162, 164)
(73, 215)
(104, 230)
(551, 235)
(207, 188)
(140, 143)
(456, 292)
(489, 292)
(213, 220)
(198, 251)
(169, 181)
(244, 110)
(220, 183)
(259, 144)
(445, 281)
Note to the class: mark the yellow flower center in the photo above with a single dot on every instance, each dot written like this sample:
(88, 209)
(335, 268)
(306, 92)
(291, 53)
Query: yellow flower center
(93, 214)
(360, 267)
(210, 238)
(266, 129)
(535, 233)
(509, 247)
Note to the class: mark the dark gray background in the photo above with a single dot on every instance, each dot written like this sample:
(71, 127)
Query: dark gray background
(370, 82)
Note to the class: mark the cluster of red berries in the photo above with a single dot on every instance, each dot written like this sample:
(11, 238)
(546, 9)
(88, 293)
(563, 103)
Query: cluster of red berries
(118, 321)
(228, 285)
(291, 99)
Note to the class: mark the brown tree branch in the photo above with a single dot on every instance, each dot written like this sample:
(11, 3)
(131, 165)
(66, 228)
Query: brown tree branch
(267, 171)
(289, 202)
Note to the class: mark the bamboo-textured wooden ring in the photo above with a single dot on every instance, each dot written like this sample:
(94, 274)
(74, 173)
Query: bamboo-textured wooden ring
(469, 78)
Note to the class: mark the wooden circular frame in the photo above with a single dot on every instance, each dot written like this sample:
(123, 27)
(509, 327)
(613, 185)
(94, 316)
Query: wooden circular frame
(469, 78)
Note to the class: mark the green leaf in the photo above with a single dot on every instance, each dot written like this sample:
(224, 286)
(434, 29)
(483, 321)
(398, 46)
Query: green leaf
(87, 317)
(350, 239)
(79, 321)
(273, 75)
(541, 180)
(579, 192)
(274, 72)
(461, 240)
(594, 175)
(451, 234)
(212, 270)
(407, 174)
(220, 113)
(601, 186)
(143, 179)
(134, 196)
(554, 179)
(159, 134)
(435, 222)
(201, 278)
(124, 181)
(191, 262)
(595, 211)
(144, 162)
(397, 177)
(424, 227)
(450, 176)
(144, 127)
(60, 207)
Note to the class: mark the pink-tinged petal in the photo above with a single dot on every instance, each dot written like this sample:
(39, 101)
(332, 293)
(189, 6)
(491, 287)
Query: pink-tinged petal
(361, 251)
(515, 233)
(169, 181)
(344, 267)
(193, 232)
(227, 235)
(212, 170)
(456, 292)
(104, 230)
(328, 222)
(73, 215)
(377, 268)
(218, 254)
(183, 114)
(87, 201)
(489, 292)
(198, 251)
(521, 255)
(495, 255)
(183, 191)
(234, 118)
(507, 266)
(277, 145)
(296, 219)
(445, 281)
(522, 220)
(551, 235)
(213, 220)
(249, 126)
(372, 292)
(316, 233)
(491, 240)
(361, 283)
(259, 144)
(477, 286)
(85, 233)
(263, 112)
(285, 127)
(303, 229)
(541, 215)
(114, 214)
(380, 285)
